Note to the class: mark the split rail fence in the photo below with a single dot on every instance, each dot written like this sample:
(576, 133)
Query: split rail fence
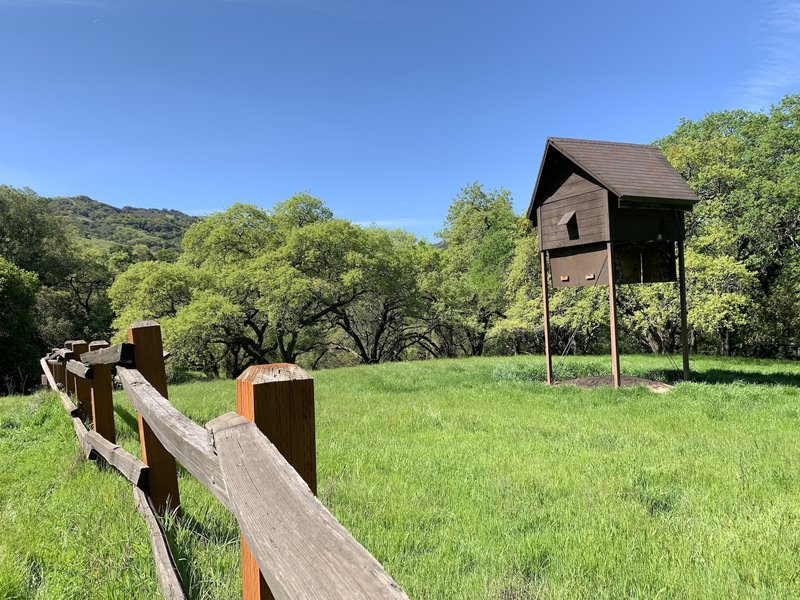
(260, 462)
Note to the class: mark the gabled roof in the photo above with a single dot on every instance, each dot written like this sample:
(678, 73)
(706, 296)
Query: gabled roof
(637, 172)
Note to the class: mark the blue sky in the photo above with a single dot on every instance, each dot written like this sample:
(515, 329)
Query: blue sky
(382, 109)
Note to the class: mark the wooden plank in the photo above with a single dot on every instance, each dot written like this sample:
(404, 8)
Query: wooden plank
(279, 399)
(169, 579)
(182, 438)
(149, 359)
(595, 200)
(51, 379)
(302, 550)
(98, 345)
(123, 461)
(119, 354)
(83, 436)
(79, 369)
(62, 354)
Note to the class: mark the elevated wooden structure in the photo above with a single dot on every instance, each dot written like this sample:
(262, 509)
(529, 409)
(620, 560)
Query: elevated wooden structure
(609, 213)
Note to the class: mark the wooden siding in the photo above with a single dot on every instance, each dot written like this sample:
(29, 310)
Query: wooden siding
(590, 224)
(570, 267)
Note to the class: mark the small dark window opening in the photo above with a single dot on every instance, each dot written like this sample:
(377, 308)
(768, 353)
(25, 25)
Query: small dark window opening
(572, 224)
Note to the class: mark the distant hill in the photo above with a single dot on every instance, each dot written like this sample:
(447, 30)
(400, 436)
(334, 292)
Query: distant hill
(106, 225)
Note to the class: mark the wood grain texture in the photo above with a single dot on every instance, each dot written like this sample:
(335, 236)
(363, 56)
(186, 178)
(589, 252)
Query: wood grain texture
(119, 354)
(302, 550)
(148, 354)
(62, 354)
(83, 437)
(123, 461)
(169, 579)
(279, 400)
(79, 369)
(183, 438)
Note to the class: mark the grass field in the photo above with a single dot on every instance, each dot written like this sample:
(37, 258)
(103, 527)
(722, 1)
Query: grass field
(466, 478)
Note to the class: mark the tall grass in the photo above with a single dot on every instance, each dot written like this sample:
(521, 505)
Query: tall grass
(466, 479)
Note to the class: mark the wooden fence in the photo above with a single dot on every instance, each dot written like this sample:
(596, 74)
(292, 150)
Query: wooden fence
(260, 462)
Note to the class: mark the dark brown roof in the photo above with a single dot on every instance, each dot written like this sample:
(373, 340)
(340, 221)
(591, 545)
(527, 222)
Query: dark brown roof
(631, 171)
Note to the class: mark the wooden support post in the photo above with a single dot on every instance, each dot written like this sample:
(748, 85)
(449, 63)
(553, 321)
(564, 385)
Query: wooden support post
(69, 378)
(103, 403)
(612, 317)
(279, 399)
(684, 323)
(79, 386)
(149, 360)
(97, 345)
(546, 304)
(58, 376)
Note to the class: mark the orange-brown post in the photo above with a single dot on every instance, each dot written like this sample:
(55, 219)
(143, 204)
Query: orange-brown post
(279, 399)
(81, 387)
(612, 318)
(149, 359)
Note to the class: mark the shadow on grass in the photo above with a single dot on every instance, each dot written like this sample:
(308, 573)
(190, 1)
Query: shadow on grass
(725, 376)
(128, 417)
(748, 377)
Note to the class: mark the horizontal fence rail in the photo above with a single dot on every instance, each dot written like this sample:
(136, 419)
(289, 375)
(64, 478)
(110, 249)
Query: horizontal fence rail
(260, 464)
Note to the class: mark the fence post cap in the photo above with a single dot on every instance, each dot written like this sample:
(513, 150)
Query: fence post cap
(273, 372)
(143, 324)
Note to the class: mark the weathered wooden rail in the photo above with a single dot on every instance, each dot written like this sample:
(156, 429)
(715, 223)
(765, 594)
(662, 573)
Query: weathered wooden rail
(260, 462)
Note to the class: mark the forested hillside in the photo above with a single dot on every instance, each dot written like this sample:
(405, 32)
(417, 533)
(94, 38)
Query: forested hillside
(104, 224)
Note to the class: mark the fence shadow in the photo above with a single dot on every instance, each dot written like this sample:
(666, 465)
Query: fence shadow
(747, 377)
(128, 417)
(725, 376)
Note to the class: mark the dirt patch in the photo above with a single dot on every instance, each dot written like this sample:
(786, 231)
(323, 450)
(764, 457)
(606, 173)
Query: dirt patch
(627, 381)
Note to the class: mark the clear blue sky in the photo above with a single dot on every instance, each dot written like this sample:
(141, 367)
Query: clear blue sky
(384, 109)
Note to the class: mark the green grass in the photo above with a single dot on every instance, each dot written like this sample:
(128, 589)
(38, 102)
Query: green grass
(466, 479)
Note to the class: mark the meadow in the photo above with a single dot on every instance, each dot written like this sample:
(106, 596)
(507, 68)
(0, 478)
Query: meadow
(466, 478)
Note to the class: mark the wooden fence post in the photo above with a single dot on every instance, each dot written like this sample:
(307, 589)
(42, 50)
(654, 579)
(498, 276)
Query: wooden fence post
(67, 377)
(57, 375)
(279, 399)
(103, 402)
(102, 397)
(80, 386)
(149, 360)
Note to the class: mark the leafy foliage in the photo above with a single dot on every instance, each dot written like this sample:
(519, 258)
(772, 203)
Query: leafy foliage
(296, 284)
